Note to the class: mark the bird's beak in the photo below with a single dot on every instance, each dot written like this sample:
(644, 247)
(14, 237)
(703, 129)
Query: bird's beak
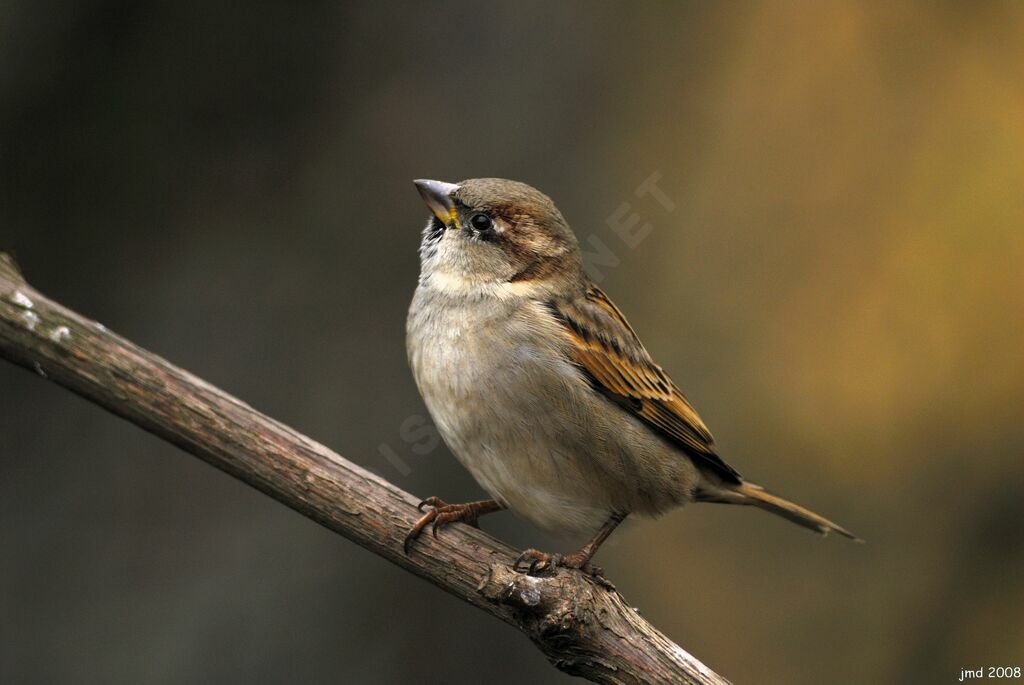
(438, 196)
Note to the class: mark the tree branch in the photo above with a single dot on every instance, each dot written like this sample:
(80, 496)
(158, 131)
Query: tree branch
(582, 627)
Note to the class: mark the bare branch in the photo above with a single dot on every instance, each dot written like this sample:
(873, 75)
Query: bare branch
(584, 628)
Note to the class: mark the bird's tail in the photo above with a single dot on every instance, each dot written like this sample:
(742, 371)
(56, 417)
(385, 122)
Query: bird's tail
(750, 494)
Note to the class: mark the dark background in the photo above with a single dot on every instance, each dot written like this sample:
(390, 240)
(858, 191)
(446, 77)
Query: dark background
(838, 288)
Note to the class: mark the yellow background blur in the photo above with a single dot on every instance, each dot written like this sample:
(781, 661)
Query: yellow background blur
(838, 289)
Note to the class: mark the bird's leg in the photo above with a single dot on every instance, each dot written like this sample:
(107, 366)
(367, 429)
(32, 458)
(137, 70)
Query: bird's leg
(533, 561)
(441, 514)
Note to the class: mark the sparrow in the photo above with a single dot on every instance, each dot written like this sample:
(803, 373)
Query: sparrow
(541, 388)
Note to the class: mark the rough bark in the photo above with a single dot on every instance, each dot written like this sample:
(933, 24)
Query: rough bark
(583, 627)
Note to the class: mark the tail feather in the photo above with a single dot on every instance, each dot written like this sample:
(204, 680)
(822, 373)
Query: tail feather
(750, 494)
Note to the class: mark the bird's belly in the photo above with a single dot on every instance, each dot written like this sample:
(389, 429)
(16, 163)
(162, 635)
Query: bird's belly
(494, 420)
(531, 431)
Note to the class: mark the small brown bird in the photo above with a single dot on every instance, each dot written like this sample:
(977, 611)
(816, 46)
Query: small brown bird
(541, 388)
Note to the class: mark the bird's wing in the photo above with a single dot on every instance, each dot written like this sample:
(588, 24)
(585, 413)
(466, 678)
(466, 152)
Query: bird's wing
(605, 347)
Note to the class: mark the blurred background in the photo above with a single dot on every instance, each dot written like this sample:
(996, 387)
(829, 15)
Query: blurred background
(835, 280)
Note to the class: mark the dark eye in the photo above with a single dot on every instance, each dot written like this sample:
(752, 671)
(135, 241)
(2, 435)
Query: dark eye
(481, 222)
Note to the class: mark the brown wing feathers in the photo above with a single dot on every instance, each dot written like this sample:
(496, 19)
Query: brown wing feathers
(618, 365)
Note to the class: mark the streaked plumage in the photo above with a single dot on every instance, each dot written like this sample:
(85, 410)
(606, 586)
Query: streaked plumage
(538, 383)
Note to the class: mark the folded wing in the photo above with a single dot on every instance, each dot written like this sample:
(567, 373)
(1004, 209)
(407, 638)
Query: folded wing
(605, 347)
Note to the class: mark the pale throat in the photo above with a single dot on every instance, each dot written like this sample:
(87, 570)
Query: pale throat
(451, 283)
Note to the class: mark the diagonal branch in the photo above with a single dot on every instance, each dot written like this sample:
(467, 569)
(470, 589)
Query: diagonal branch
(582, 627)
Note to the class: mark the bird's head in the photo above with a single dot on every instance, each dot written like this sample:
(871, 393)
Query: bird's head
(491, 231)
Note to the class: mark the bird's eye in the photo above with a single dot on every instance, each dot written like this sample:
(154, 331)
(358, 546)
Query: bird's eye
(481, 222)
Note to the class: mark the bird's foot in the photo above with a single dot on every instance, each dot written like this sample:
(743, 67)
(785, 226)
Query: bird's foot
(441, 514)
(533, 562)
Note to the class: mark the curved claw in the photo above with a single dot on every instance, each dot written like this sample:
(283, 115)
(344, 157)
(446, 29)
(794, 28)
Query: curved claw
(435, 517)
(431, 502)
(437, 514)
(538, 562)
(515, 564)
(519, 561)
(415, 531)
